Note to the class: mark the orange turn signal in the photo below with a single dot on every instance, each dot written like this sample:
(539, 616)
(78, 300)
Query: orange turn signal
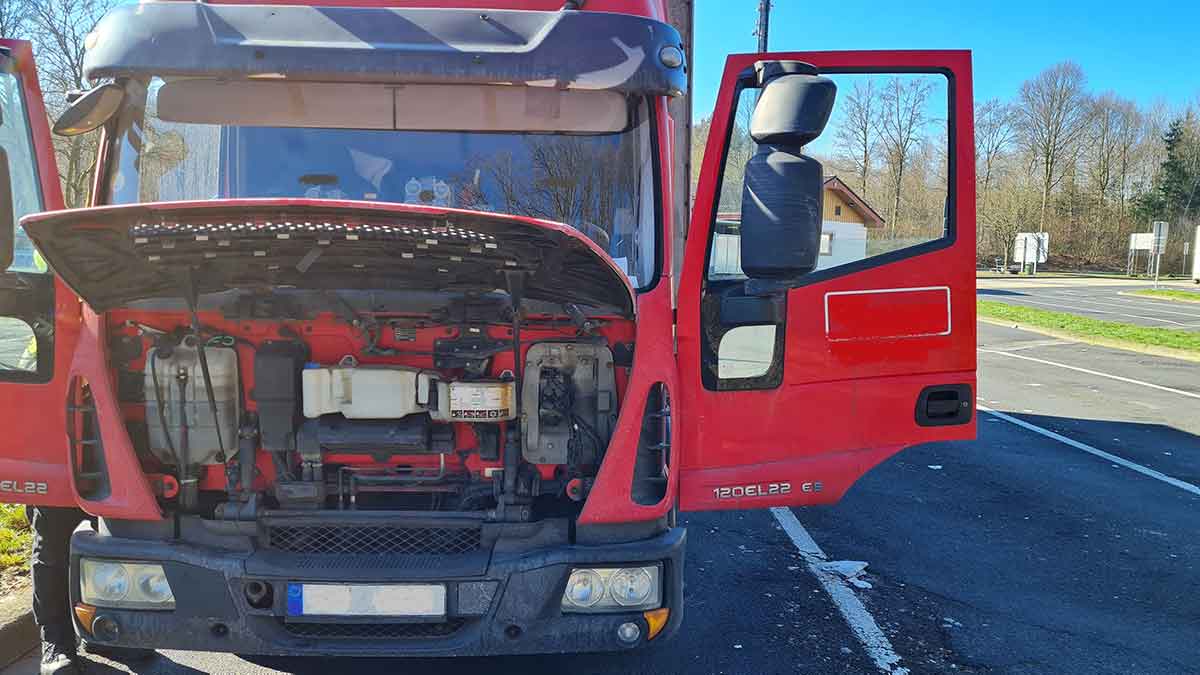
(86, 615)
(656, 620)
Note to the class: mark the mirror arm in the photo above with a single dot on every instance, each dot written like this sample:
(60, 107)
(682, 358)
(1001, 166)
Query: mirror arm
(767, 287)
(753, 310)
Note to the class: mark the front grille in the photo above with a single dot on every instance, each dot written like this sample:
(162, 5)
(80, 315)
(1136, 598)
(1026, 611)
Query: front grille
(358, 539)
(375, 631)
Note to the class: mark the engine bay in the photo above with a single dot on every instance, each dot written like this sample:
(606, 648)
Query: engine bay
(469, 406)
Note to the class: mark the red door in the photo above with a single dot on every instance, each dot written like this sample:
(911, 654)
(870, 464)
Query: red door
(39, 317)
(875, 350)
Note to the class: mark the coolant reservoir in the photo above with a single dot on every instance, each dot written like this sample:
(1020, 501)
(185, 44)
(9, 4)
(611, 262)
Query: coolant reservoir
(177, 403)
(365, 392)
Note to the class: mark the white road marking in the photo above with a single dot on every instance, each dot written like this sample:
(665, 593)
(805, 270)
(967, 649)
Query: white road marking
(1129, 380)
(861, 623)
(1034, 344)
(1108, 456)
(1100, 311)
(1124, 304)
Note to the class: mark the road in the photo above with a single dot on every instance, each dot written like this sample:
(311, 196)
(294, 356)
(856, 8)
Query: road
(1065, 539)
(1099, 298)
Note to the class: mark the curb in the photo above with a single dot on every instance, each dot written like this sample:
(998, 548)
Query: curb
(1099, 342)
(18, 632)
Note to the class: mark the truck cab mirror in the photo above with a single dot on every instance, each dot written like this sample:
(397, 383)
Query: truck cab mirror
(90, 111)
(8, 222)
(782, 187)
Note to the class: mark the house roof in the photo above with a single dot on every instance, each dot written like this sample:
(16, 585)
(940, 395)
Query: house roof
(870, 217)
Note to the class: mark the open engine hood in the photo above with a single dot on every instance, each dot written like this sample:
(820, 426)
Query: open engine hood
(114, 255)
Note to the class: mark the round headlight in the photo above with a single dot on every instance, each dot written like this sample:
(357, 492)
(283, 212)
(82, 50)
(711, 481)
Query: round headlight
(630, 587)
(154, 587)
(584, 588)
(110, 580)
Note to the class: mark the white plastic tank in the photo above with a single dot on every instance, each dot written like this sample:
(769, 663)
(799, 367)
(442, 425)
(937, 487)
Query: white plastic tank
(174, 385)
(365, 392)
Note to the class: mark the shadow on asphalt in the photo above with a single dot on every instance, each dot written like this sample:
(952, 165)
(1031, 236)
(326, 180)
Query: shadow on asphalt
(1158, 446)
(997, 291)
(525, 665)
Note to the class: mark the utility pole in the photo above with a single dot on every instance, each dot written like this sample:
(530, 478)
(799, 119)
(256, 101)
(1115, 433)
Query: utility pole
(764, 23)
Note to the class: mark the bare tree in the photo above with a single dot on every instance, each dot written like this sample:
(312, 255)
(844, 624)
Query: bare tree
(14, 18)
(994, 133)
(1103, 153)
(1053, 109)
(901, 120)
(569, 179)
(59, 28)
(1013, 207)
(856, 136)
(1130, 135)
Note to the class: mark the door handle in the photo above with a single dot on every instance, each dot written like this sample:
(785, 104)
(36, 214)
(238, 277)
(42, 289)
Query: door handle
(944, 405)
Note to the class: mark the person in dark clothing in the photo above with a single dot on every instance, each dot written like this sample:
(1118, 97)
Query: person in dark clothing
(52, 527)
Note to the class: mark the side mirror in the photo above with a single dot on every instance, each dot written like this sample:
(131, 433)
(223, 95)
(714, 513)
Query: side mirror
(90, 111)
(782, 188)
(8, 222)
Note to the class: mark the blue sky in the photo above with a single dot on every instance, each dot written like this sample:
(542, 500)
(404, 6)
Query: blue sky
(1147, 51)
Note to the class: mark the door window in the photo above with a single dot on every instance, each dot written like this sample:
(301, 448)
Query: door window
(886, 157)
(18, 345)
(22, 166)
(746, 352)
(27, 301)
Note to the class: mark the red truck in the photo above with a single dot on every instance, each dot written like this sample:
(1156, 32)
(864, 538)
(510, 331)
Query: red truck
(370, 340)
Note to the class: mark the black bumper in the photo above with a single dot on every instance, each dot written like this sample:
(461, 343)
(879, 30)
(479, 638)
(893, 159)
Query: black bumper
(513, 608)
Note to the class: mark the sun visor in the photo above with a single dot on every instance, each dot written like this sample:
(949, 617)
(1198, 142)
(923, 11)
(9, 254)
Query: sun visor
(425, 107)
(560, 50)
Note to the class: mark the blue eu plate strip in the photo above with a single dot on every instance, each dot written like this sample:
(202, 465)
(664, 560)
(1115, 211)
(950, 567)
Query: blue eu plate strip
(295, 600)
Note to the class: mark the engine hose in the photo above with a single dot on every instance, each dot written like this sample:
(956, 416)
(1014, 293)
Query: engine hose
(247, 450)
(512, 440)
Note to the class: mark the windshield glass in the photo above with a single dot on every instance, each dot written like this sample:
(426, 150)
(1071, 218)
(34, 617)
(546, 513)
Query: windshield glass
(601, 183)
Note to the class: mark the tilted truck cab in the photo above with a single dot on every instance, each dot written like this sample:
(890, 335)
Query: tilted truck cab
(369, 341)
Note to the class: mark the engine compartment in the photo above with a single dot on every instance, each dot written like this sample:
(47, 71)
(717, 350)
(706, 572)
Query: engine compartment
(348, 405)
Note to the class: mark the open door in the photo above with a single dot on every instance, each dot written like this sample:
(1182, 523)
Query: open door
(826, 320)
(38, 316)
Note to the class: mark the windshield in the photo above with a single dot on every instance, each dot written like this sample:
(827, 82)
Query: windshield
(601, 183)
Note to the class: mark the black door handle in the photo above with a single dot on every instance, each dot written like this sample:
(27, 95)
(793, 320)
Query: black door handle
(944, 405)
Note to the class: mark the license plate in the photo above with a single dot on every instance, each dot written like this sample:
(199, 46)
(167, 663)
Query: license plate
(390, 600)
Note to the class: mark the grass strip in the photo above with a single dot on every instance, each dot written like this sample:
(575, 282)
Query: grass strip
(1167, 294)
(14, 536)
(1087, 328)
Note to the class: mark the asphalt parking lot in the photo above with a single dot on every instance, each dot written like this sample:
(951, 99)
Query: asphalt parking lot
(1099, 298)
(1064, 539)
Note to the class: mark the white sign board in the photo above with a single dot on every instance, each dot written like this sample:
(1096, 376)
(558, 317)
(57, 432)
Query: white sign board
(1161, 228)
(1196, 257)
(1141, 241)
(1031, 247)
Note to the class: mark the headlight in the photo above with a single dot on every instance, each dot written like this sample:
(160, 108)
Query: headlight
(112, 583)
(613, 589)
(584, 589)
(631, 587)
